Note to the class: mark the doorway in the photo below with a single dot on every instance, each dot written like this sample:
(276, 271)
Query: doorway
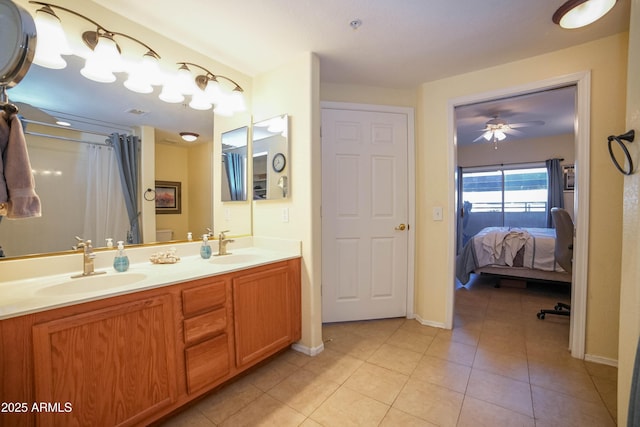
(367, 212)
(581, 203)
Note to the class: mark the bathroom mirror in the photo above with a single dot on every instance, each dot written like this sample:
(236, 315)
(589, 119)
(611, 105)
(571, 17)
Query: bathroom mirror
(234, 165)
(45, 95)
(271, 158)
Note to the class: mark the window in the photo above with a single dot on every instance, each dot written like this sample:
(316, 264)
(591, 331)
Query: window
(503, 196)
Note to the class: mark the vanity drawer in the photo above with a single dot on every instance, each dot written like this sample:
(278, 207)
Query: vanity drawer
(204, 298)
(204, 326)
(207, 362)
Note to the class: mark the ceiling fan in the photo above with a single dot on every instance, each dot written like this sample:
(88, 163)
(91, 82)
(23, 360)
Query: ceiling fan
(497, 129)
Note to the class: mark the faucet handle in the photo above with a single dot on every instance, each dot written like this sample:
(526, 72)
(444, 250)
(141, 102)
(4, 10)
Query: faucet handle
(222, 236)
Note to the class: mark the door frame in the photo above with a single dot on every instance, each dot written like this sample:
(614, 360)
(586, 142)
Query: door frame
(411, 182)
(579, 283)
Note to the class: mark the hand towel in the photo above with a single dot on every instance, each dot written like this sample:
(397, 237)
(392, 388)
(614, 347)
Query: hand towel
(18, 198)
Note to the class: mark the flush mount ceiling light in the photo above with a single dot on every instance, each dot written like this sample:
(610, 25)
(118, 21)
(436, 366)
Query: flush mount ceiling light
(579, 13)
(189, 136)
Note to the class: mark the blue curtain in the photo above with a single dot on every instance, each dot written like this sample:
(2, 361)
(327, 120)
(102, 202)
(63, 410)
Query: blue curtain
(127, 149)
(633, 419)
(235, 174)
(555, 197)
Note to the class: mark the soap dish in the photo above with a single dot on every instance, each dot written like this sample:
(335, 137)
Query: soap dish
(168, 257)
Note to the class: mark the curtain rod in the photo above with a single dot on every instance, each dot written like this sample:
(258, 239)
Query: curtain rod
(64, 138)
(508, 164)
(35, 122)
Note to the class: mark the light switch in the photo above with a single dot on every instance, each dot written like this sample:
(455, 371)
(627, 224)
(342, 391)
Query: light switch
(437, 213)
(285, 214)
(227, 214)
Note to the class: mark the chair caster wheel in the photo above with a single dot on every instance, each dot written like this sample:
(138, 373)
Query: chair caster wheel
(558, 307)
(540, 316)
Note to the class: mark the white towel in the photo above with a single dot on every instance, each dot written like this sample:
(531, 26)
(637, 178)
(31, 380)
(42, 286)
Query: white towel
(18, 198)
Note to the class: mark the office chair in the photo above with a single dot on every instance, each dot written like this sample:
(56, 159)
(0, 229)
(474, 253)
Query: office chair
(563, 253)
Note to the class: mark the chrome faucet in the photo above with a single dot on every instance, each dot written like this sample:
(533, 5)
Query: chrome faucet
(87, 258)
(222, 243)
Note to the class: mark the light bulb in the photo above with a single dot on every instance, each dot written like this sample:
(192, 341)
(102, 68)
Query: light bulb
(52, 42)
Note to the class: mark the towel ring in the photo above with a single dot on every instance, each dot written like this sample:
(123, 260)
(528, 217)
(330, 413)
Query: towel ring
(150, 195)
(629, 136)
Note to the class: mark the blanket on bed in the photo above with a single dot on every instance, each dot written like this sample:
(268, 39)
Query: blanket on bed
(506, 246)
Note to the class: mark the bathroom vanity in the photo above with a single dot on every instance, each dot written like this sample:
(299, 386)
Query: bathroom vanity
(141, 351)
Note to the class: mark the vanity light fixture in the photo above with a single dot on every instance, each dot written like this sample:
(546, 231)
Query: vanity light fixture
(189, 136)
(105, 57)
(579, 13)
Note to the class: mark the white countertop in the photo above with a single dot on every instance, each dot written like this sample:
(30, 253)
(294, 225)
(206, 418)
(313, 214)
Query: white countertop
(44, 292)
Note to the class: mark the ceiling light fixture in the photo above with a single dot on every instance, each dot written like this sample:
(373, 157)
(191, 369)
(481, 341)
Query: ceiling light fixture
(189, 136)
(206, 91)
(579, 13)
(104, 58)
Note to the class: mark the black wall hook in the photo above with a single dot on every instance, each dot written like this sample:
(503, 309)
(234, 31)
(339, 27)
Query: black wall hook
(629, 137)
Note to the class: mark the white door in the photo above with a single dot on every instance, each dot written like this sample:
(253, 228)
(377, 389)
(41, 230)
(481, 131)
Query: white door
(364, 215)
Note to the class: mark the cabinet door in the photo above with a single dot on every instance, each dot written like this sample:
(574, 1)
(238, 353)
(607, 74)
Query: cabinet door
(114, 366)
(263, 317)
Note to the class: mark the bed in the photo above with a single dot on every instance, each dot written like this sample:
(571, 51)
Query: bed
(526, 253)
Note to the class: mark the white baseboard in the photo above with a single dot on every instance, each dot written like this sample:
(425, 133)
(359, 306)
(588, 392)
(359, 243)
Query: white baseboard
(430, 323)
(309, 351)
(601, 360)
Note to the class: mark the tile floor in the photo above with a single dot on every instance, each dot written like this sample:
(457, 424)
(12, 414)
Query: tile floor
(499, 366)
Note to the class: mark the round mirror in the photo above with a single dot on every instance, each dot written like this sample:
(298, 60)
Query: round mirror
(17, 42)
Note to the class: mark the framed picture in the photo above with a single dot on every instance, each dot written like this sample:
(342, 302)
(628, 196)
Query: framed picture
(569, 173)
(168, 197)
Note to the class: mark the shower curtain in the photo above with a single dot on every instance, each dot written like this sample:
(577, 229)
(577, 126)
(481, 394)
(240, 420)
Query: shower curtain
(105, 210)
(235, 174)
(127, 150)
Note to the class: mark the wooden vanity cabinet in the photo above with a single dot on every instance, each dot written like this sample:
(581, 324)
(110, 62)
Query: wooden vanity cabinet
(135, 358)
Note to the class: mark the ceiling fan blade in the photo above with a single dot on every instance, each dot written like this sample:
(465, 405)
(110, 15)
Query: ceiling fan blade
(526, 124)
(513, 131)
(479, 138)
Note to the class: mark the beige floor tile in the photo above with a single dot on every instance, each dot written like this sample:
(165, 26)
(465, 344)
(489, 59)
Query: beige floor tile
(295, 358)
(229, 400)
(468, 320)
(265, 411)
(192, 417)
(513, 345)
(304, 391)
(554, 355)
(353, 344)
(310, 423)
(443, 347)
(551, 407)
(478, 413)
(350, 408)
(376, 382)
(608, 390)
(333, 366)
(469, 334)
(395, 358)
(568, 381)
(502, 391)
(509, 365)
(438, 405)
(396, 418)
(412, 325)
(271, 374)
(382, 328)
(503, 328)
(602, 371)
(410, 341)
(443, 373)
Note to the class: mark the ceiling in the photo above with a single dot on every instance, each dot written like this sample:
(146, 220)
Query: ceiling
(400, 45)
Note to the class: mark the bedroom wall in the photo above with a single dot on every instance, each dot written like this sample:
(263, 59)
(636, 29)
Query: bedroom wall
(606, 58)
(522, 151)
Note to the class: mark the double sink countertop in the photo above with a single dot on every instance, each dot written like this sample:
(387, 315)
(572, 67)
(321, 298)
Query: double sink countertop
(52, 289)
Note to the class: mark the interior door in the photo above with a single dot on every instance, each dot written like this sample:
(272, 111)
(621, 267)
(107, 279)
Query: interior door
(364, 215)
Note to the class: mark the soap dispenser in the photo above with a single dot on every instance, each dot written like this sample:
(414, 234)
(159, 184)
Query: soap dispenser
(205, 249)
(121, 261)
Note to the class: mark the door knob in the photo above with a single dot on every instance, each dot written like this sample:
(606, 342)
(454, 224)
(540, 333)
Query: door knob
(401, 227)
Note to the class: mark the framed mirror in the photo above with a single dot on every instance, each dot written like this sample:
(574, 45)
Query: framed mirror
(234, 165)
(270, 153)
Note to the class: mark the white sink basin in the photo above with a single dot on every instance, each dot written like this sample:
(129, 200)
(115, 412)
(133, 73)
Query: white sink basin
(235, 258)
(83, 285)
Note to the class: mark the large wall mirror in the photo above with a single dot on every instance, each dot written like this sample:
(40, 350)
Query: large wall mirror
(270, 153)
(69, 164)
(234, 165)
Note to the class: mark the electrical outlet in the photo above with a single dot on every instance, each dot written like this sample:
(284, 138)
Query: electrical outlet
(437, 213)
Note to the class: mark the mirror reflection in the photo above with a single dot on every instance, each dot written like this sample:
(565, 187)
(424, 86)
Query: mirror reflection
(271, 158)
(234, 165)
